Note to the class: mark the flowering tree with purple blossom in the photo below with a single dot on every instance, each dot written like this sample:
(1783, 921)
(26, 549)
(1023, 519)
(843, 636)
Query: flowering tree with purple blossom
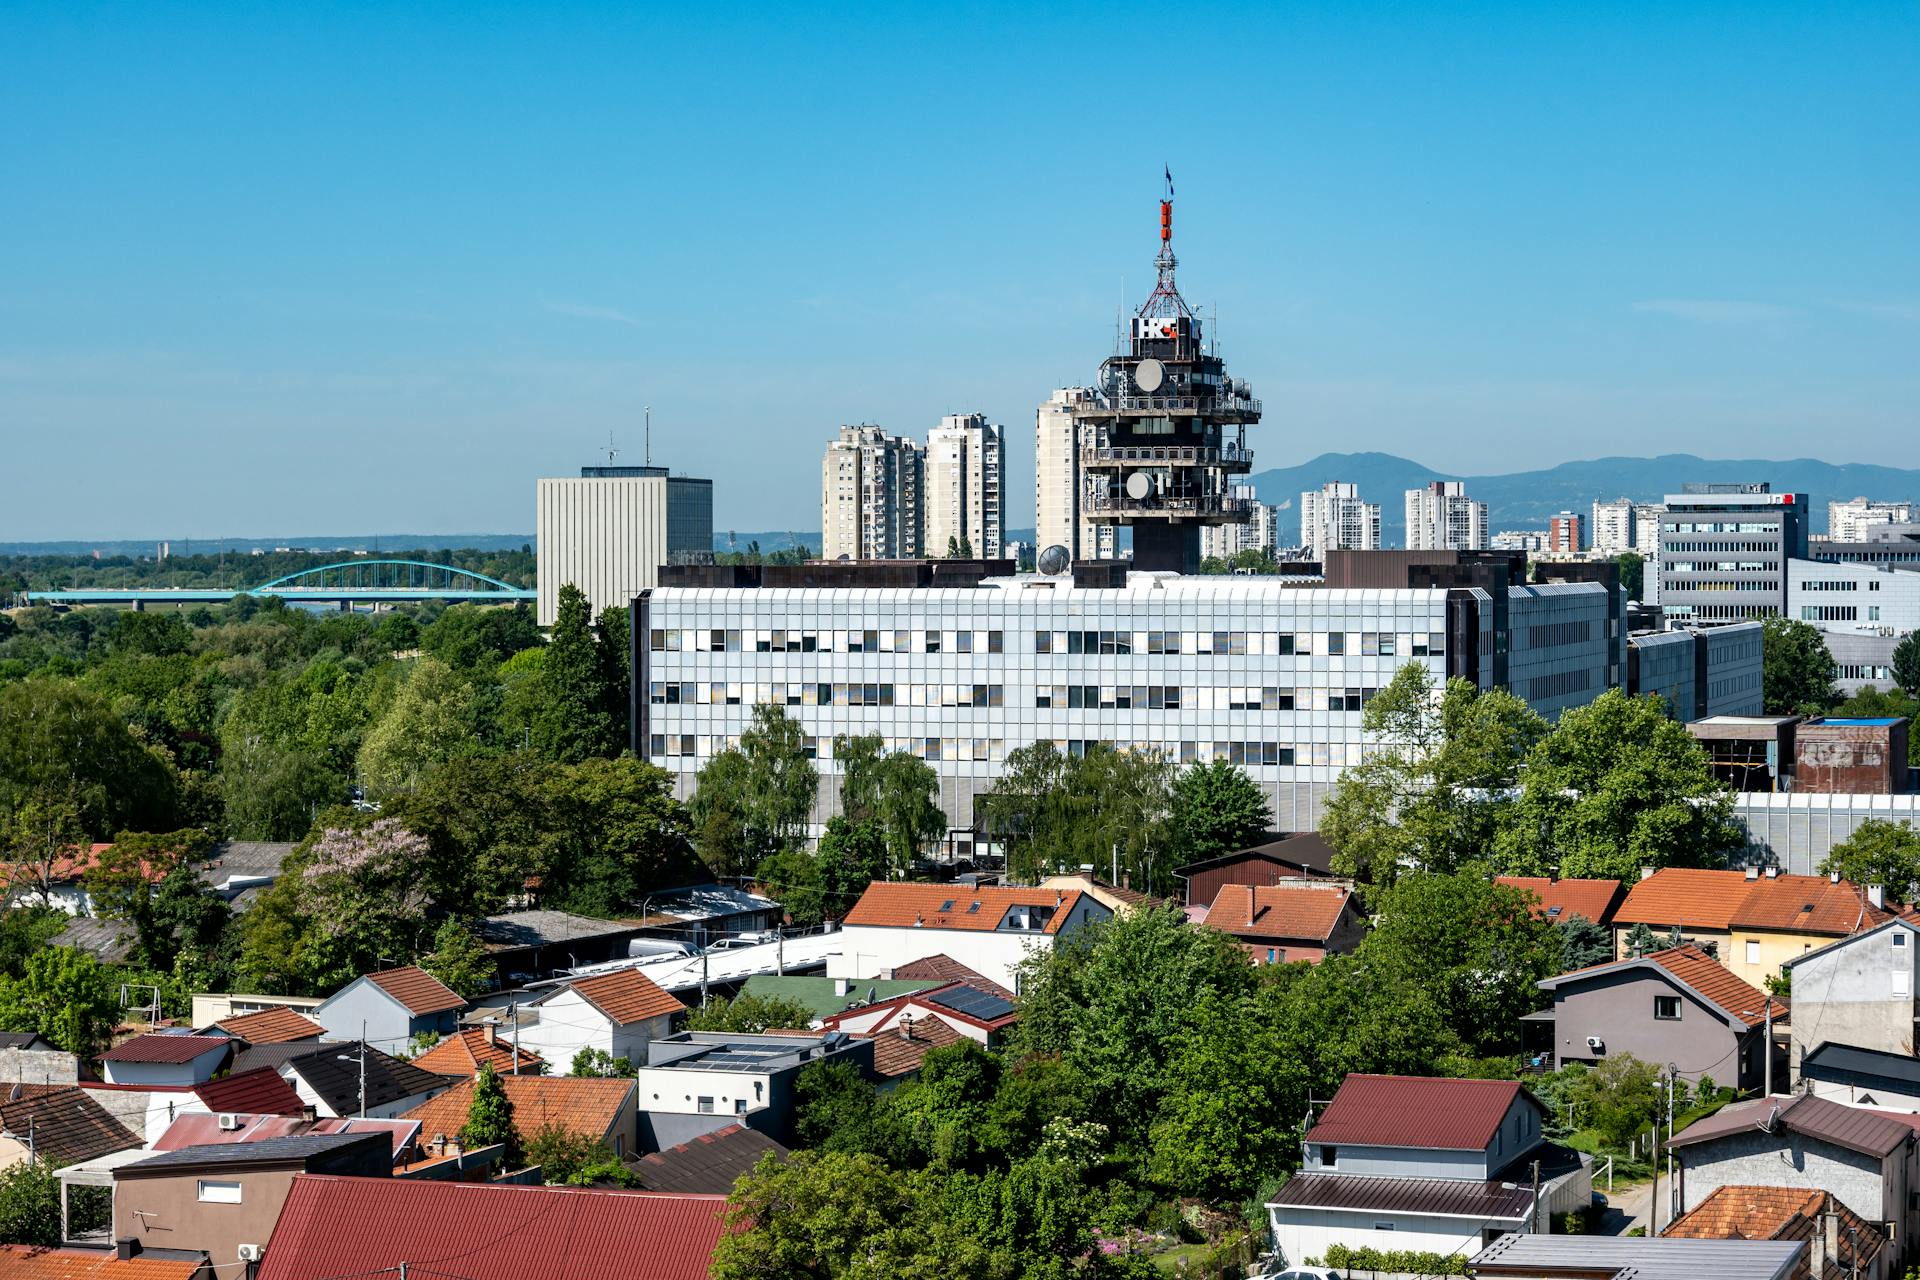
(364, 889)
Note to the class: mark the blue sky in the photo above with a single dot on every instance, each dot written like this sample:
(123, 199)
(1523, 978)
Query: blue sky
(281, 269)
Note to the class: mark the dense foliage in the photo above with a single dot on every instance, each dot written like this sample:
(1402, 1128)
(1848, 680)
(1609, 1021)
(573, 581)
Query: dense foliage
(1799, 669)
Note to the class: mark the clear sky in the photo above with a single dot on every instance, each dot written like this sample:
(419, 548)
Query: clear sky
(284, 269)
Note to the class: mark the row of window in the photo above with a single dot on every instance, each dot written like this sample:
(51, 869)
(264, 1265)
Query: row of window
(1090, 697)
(1719, 566)
(1281, 644)
(1845, 585)
(1548, 634)
(1719, 526)
(1829, 613)
(1171, 697)
(1559, 684)
(1261, 754)
(1719, 548)
(781, 640)
(1719, 612)
(1863, 671)
(734, 693)
(1764, 584)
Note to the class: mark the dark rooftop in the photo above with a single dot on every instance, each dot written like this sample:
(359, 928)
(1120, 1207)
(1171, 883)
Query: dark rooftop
(708, 1165)
(296, 1147)
(1849, 1063)
(333, 1072)
(1461, 1198)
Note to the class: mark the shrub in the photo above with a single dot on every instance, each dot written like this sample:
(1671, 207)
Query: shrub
(1412, 1261)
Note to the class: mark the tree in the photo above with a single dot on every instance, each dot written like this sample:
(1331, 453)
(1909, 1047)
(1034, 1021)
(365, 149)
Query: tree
(1878, 852)
(1430, 793)
(598, 1064)
(30, 1205)
(1473, 944)
(40, 837)
(578, 725)
(427, 724)
(362, 891)
(490, 1116)
(850, 857)
(894, 792)
(613, 658)
(460, 959)
(153, 883)
(65, 995)
(1058, 812)
(1633, 574)
(614, 833)
(749, 1013)
(568, 1158)
(1618, 785)
(1227, 1121)
(833, 1214)
(1583, 943)
(60, 743)
(1618, 1097)
(836, 1108)
(754, 799)
(1798, 669)
(1906, 664)
(273, 792)
(1216, 808)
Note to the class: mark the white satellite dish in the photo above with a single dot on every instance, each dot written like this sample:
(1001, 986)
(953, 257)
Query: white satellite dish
(1149, 374)
(1139, 485)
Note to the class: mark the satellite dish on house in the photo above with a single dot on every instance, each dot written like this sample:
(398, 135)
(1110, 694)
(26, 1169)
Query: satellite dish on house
(1054, 561)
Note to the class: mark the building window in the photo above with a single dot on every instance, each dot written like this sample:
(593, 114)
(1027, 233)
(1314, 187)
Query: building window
(704, 1106)
(739, 1106)
(1899, 940)
(1666, 1008)
(1329, 1156)
(1753, 951)
(212, 1191)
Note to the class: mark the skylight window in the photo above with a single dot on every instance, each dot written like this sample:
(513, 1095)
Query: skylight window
(974, 909)
(947, 905)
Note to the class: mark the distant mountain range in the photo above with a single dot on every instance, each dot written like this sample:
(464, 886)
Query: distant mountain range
(1528, 499)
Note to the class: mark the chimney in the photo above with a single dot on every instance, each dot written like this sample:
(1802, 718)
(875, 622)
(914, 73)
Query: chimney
(1773, 871)
(308, 1114)
(126, 1247)
(1877, 896)
(1645, 872)
(1817, 1255)
(906, 1028)
(1753, 873)
(842, 985)
(493, 1031)
(1833, 877)
(1830, 1233)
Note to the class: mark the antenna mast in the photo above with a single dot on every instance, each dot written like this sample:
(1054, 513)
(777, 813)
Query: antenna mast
(649, 436)
(611, 451)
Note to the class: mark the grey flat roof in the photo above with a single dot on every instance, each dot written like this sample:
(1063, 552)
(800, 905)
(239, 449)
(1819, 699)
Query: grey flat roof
(538, 928)
(301, 1147)
(1896, 1069)
(1637, 1257)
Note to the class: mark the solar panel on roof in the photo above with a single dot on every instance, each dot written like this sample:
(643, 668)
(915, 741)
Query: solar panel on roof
(973, 1002)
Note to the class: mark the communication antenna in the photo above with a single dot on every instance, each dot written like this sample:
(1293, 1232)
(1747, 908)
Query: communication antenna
(611, 451)
(649, 437)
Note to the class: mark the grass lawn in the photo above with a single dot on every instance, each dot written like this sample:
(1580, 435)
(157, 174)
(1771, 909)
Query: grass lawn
(1169, 1261)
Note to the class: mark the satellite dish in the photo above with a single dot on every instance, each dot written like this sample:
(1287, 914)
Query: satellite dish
(1149, 374)
(1139, 485)
(1054, 561)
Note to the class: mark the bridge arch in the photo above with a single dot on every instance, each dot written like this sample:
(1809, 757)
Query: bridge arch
(317, 575)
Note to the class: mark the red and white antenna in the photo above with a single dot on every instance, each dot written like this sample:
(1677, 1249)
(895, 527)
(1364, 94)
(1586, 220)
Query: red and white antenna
(1165, 301)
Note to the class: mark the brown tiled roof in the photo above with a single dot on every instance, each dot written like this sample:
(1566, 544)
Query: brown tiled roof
(948, 906)
(418, 991)
(627, 996)
(462, 1054)
(1593, 900)
(154, 1047)
(1303, 911)
(896, 1055)
(930, 968)
(261, 1091)
(1415, 1111)
(1855, 1128)
(1454, 1198)
(584, 1106)
(67, 1126)
(34, 1262)
(272, 1026)
(1714, 982)
(1779, 1213)
(1696, 898)
(708, 1165)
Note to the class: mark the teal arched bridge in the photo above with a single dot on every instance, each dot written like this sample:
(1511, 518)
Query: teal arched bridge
(348, 584)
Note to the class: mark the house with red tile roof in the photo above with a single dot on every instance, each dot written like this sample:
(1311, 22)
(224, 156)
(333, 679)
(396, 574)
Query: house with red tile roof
(899, 1051)
(36, 1262)
(1678, 1006)
(619, 1013)
(1425, 1164)
(390, 1008)
(1559, 901)
(496, 1231)
(1857, 1250)
(1294, 920)
(272, 1026)
(1754, 920)
(461, 1054)
(596, 1109)
(962, 1008)
(991, 930)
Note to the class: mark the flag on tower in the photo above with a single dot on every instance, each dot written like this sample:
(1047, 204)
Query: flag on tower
(1169, 173)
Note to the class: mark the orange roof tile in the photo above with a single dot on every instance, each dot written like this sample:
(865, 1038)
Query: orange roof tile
(580, 1105)
(896, 1054)
(929, 968)
(32, 1262)
(1697, 898)
(1590, 899)
(1700, 971)
(272, 1026)
(462, 1054)
(950, 906)
(418, 991)
(1300, 910)
(627, 996)
(1777, 1213)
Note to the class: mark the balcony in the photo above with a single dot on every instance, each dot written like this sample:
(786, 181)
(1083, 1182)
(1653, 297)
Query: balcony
(1206, 508)
(1234, 457)
(1229, 407)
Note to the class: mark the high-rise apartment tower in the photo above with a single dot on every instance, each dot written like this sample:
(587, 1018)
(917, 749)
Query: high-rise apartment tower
(870, 496)
(962, 487)
(1333, 518)
(1059, 485)
(1441, 517)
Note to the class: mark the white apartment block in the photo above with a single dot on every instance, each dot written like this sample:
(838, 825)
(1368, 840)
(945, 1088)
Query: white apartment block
(963, 488)
(1646, 528)
(870, 496)
(1441, 517)
(1614, 527)
(1333, 518)
(1260, 531)
(1059, 486)
(1849, 521)
(1267, 673)
(1530, 540)
(608, 531)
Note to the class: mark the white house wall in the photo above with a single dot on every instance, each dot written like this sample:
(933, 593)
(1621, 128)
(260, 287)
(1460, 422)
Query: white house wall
(1303, 1233)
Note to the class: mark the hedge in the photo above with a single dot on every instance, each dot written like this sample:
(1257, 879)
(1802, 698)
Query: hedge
(1404, 1261)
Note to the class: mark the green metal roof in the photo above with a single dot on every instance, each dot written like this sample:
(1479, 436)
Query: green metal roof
(817, 993)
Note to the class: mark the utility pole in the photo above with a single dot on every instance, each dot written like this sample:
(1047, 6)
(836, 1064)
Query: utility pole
(703, 976)
(513, 1009)
(363, 1068)
(1766, 1048)
(1672, 1071)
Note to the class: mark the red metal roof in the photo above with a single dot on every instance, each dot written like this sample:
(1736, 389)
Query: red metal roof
(260, 1091)
(1594, 900)
(489, 1231)
(1855, 1128)
(1415, 1111)
(153, 1047)
(1489, 1201)
(201, 1129)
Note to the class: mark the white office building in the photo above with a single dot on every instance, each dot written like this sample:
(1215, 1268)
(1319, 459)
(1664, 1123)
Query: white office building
(1267, 673)
(1333, 518)
(870, 496)
(1862, 610)
(1059, 482)
(1441, 517)
(962, 487)
(1849, 521)
(608, 531)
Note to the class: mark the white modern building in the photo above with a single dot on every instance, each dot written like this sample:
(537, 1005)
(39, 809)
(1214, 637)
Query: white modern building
(1059, 483)
(1849, 521)
(609, 529)
(963, 487)
(618, 1013)
(1646, 528)
(991, 930)
(1441, 517)
(870, 496)
(1333, 518)
(1863, 610)
(1614, 526)
(1268, 673)
(697, 1082)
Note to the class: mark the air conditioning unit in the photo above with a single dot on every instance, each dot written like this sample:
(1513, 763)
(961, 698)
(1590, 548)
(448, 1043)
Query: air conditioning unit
(252, 1252)
(229, 1121)
(1596, 1044)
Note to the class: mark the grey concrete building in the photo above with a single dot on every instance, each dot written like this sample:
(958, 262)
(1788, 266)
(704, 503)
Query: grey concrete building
(1859, 991)
(1699, 671)
(1795, 831)
(609, 529)
(1724, 550)
(1865, 1158)
(700, 1082)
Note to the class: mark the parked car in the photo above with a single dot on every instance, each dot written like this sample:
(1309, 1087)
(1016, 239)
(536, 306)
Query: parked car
(1302, 1273)
(737, 942)
(657, 949)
